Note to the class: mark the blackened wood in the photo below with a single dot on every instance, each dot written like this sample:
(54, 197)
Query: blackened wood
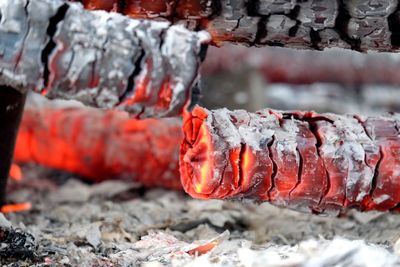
(11, 107)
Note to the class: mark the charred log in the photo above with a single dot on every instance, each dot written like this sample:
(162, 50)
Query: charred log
(323, 163)
(305, 67)
(357, 25)
(104, 60)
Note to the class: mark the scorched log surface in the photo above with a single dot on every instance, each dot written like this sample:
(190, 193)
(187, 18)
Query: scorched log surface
(360, 25)
(102, 59)
(323, 163)
(101, 145)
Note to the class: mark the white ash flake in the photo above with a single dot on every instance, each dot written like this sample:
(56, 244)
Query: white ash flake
(353, 150)
(250, 133)
(285, 140)
(381, 199)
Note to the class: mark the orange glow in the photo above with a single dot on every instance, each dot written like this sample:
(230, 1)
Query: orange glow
(189, 8)
(44, 91)
(248, 161)
(205, 165)
(16, 172)
(197, 157)
(203, 249)
(19, 207)
(100, 4)
(140, 94)
(199, 115)
(101, 145)
(146, 8)
(165, 95)
(234, 157)
(216, 37)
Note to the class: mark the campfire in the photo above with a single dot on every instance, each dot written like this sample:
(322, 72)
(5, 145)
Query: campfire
(158, 133)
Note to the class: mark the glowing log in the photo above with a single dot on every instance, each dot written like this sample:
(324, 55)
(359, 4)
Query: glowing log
(104, 60)
(101, 145)
(323, 163)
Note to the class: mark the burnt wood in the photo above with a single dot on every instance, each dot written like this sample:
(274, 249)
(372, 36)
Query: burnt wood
(11, 108)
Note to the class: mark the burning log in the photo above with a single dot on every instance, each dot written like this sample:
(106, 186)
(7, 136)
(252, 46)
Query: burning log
(355, 25)
(278, 65)
(104, 60)
(323, 163)
(101, 145)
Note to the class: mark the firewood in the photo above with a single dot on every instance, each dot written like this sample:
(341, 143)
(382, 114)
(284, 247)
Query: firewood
(322, 163)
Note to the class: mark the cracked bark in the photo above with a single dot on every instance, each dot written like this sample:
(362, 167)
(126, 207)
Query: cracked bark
(357, 25)
(341, 165)
(64, 51)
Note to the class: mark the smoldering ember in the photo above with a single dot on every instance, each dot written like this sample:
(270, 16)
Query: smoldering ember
(199, 133)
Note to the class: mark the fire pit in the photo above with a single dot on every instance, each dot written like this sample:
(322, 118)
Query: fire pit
(109, 175)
